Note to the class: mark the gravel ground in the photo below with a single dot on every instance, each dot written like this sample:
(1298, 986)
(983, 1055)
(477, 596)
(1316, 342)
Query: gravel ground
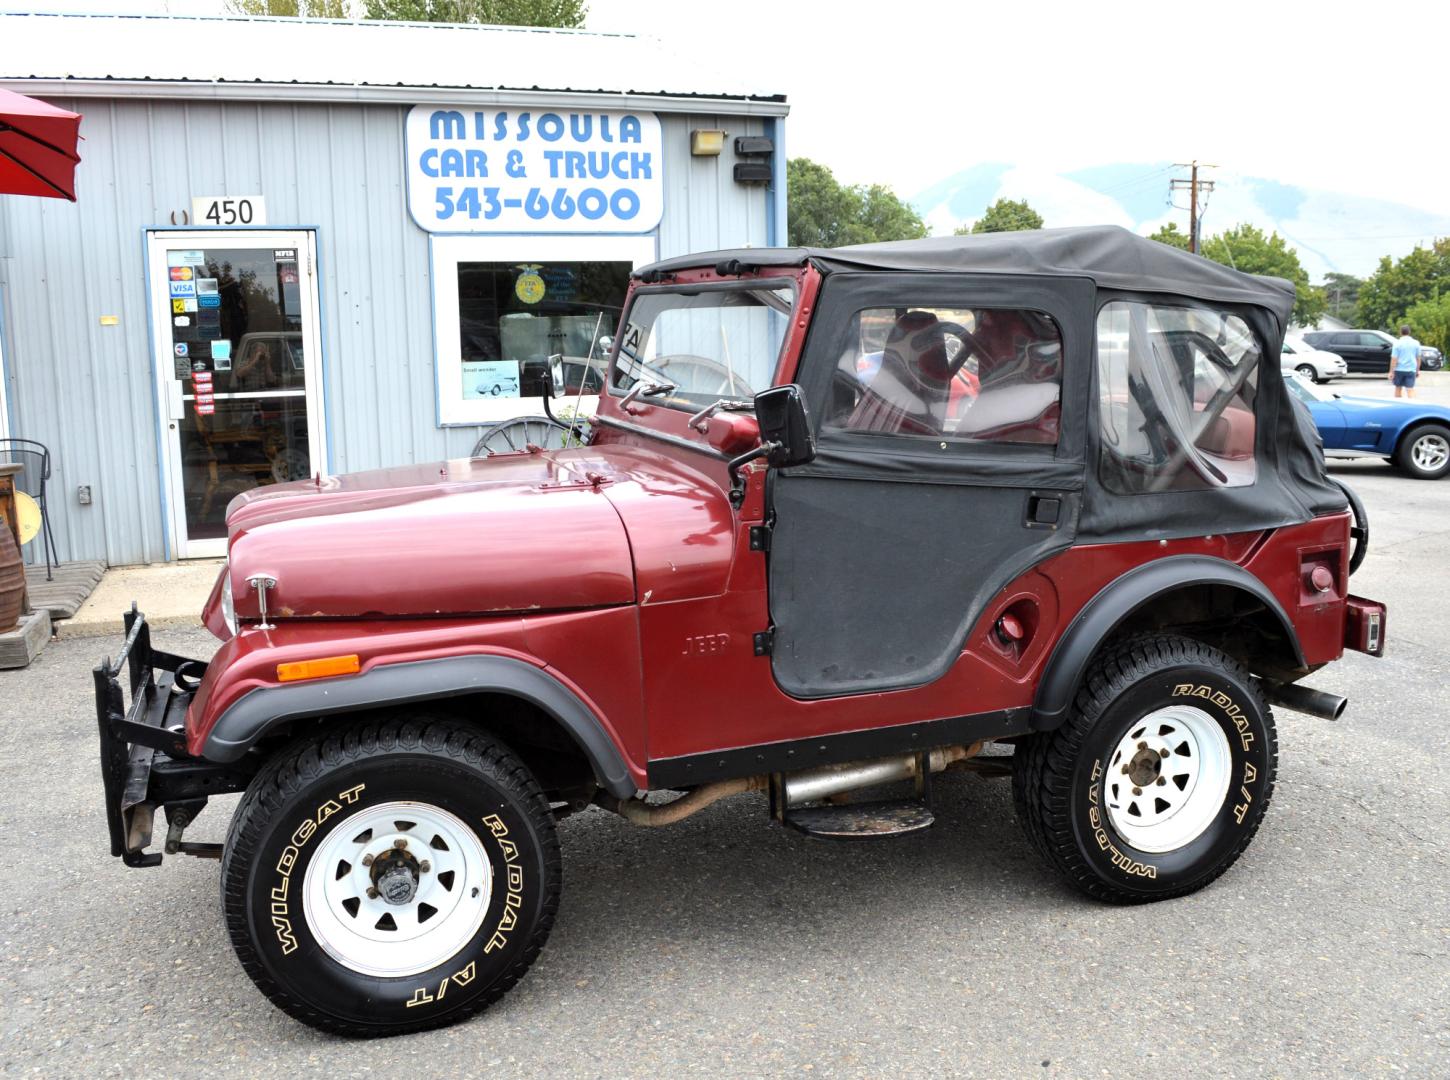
(724, 946)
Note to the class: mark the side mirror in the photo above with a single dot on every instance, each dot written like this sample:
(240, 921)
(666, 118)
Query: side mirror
(785, 425)
(555, 387)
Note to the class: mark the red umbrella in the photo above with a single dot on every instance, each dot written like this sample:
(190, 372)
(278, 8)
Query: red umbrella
(37, 148)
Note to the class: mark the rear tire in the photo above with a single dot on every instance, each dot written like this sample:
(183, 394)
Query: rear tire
(390, 876)
(1157, 780)
(1309, 372)
(1424, 452)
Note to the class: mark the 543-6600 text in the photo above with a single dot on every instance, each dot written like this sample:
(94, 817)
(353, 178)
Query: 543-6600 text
(591, 204)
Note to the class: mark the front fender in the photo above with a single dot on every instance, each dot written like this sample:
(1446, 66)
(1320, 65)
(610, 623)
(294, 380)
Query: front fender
(262, 709)
(1106, 611)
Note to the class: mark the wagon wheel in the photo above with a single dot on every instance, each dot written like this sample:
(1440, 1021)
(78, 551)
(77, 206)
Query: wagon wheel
(518, 434)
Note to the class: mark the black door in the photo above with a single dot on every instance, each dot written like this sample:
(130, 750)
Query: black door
(949, 417)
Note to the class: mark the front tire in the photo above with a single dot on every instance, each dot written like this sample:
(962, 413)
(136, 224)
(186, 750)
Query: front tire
(1157, 780)
(1309, 372)
(390, 876)
(1425, 452)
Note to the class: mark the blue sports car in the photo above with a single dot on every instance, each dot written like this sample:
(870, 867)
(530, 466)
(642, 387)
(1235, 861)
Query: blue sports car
(1415, 435)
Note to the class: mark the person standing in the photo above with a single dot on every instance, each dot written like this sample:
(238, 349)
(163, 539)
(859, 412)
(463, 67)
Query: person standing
(1405, 363)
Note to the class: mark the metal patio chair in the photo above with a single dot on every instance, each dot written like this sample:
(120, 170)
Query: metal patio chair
(35, 457)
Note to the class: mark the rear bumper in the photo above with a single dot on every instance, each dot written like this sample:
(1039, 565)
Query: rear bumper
(144, 763)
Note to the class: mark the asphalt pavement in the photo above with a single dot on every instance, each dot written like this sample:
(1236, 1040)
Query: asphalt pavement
(724, 946)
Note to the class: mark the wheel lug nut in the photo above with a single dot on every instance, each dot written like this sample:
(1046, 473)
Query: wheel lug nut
(400, 843)
(367, 860)
(372, 893)
(1162, 780)
(1162, 753)
(425, 866)
(1142, 746)
(1137, 791)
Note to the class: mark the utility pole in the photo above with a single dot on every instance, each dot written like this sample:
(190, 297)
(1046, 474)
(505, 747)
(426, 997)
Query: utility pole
(1194, 186)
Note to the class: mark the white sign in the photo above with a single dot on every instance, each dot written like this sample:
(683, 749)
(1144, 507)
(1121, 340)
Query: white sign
(525, 171)
(490, 379)
(228, 210)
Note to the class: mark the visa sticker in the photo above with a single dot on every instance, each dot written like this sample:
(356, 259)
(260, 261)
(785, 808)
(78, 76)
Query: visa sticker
(183, 288)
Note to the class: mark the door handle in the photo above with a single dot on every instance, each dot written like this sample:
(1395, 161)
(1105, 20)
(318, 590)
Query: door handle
(1044, 510)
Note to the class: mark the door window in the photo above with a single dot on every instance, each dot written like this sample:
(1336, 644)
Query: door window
(965, 375)
(1176, 398)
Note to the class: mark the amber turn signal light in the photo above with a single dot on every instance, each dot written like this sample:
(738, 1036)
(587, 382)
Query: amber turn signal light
(320, 668)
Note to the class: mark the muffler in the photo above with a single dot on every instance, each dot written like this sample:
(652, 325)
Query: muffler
(1304, 699)
(812, 785)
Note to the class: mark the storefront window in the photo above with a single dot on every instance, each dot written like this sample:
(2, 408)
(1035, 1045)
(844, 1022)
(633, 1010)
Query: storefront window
(513, 316)
(505, 305)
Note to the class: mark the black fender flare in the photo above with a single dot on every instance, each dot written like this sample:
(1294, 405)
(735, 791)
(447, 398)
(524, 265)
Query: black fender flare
(258, 711)
(1106, 611)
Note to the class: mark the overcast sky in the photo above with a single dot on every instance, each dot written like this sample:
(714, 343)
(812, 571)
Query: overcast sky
(1345, 97)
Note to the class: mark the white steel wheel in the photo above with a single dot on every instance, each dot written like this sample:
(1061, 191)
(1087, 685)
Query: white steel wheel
(1430, 452)
(397, 889)
(1167, 779)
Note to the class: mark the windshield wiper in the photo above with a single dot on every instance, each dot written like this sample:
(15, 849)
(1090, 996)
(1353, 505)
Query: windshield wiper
(645, 388)
(700, 421)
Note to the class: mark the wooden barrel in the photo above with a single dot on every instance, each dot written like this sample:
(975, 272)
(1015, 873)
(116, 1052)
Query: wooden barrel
(12, 580)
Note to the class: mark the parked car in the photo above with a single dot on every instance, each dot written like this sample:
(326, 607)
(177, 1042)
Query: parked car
(1415, 435)
(1091, 557)
(1314, 364)
(1431, 358)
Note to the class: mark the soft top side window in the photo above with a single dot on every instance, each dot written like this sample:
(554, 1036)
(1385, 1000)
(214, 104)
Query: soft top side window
(1176, 390)
(967, 375)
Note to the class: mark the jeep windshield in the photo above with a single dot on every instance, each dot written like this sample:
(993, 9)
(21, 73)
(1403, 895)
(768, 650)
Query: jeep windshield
(694, 346)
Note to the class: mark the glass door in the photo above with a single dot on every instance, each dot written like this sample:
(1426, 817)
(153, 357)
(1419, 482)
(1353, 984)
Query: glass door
(238, 371)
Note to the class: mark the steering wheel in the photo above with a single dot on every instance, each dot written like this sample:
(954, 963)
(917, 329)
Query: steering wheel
(966, 345)
(1359, 531)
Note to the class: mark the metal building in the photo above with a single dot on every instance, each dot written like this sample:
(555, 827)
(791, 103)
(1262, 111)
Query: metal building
(304, 247)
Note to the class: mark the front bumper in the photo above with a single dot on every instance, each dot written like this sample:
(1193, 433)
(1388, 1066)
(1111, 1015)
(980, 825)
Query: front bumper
(144, 762)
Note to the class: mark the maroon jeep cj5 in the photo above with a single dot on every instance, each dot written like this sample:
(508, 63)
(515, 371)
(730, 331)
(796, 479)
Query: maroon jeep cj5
(845, 521)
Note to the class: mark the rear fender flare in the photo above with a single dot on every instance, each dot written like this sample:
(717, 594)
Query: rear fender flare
(247, 720)
(1106, 611)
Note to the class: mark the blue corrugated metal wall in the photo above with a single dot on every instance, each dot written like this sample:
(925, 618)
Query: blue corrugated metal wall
(86, 390)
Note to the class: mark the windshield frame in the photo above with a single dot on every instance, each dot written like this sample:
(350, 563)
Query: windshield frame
(772, 283)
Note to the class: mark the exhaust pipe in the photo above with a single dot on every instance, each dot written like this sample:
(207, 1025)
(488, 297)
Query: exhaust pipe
(1304, 699)
(808, 785)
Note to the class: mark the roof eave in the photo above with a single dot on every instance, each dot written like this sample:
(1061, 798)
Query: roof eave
(337, 93)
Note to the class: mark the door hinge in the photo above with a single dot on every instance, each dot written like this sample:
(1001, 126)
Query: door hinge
(760, 538)
(765, 642)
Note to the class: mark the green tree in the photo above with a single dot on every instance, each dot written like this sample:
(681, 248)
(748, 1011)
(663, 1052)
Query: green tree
(1170, 235)
(1246, 248)
(306, 9)
(1005, 215)
(1430, 322)
(1342, 293)
(826, 213)
(562, 13)
(1398, 285)
(568, 14)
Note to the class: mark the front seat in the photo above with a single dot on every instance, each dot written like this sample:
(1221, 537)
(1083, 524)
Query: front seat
(908, 394)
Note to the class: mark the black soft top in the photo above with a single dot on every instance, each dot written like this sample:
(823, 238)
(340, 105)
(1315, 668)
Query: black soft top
(1110, 256)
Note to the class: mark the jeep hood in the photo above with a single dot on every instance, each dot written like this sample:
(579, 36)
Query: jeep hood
(507, 534)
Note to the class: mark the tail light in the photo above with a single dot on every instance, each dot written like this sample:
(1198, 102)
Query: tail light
(1364, 626)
